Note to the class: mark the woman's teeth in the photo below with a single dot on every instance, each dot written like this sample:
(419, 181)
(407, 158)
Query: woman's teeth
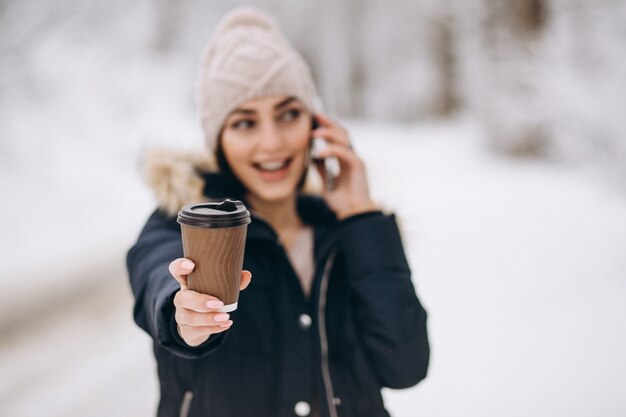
(273, 166)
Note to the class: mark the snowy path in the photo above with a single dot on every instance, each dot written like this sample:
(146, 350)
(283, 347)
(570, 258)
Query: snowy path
(87, 359)
(520, 265)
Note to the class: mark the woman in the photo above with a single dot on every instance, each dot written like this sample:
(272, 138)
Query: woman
(331, 315)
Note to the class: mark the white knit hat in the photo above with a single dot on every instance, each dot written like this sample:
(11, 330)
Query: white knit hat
(248, 57)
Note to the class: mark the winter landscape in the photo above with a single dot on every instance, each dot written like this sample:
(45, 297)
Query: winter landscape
(519, 260)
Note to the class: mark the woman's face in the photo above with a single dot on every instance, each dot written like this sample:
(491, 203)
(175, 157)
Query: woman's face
(265, 142)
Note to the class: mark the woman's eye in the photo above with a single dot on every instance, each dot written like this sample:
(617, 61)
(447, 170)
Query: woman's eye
(290, 115)
(242, 124)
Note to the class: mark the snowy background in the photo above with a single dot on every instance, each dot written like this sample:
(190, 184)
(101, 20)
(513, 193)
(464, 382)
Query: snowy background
(504, 123)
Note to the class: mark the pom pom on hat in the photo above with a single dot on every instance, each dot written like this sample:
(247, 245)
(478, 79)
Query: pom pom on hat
(248, 57)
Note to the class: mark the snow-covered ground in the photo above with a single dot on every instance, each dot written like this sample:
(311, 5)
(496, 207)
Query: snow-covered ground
(520, 265)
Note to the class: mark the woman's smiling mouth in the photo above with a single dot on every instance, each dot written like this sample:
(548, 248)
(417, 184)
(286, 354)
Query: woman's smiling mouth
(273, 170)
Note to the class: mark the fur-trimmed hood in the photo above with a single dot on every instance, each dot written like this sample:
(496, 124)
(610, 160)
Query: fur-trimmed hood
(176, 177)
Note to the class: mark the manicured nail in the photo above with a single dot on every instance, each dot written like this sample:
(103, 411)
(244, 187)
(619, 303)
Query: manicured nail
(221, 317)
(225, 324)
(187, 265)
(214, 304)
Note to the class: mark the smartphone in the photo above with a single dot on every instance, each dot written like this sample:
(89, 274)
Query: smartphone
(330, 165)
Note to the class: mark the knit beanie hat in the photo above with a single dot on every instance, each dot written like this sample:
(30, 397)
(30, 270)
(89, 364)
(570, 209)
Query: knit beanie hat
(248, 57)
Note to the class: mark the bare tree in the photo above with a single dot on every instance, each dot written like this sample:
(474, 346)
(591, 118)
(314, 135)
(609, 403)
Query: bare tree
(511, 33)
(445, 58)
(168, 23)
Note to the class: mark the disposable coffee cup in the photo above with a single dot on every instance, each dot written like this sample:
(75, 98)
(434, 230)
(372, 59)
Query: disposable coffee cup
(214, 237)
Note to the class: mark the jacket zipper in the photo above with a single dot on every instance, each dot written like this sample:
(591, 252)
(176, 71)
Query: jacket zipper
(185, 405)
(321, 318)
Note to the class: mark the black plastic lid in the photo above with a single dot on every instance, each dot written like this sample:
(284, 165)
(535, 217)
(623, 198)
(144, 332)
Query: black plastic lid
(227, 213)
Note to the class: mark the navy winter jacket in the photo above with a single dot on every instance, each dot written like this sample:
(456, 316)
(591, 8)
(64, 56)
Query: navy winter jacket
(329, 355)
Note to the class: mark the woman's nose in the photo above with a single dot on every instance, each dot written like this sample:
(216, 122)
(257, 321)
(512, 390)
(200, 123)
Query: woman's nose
(270, 137)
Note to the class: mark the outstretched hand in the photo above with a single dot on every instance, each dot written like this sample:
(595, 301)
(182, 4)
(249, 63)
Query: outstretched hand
(197, 316)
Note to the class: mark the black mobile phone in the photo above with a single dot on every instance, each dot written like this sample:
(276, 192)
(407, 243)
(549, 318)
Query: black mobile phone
(330, 165)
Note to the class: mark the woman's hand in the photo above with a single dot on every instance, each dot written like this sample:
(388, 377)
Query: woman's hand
(196, 314)
(351, 193)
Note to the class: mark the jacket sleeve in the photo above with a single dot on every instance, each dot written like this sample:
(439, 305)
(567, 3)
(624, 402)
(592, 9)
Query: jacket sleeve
(154, 287)
(388, 315)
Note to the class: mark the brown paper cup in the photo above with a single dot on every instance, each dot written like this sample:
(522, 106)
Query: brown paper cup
(214, 237)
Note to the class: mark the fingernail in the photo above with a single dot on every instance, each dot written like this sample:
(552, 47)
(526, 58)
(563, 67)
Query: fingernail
(225, 324)
(187, 265)
(214, 304)
(221, 317)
